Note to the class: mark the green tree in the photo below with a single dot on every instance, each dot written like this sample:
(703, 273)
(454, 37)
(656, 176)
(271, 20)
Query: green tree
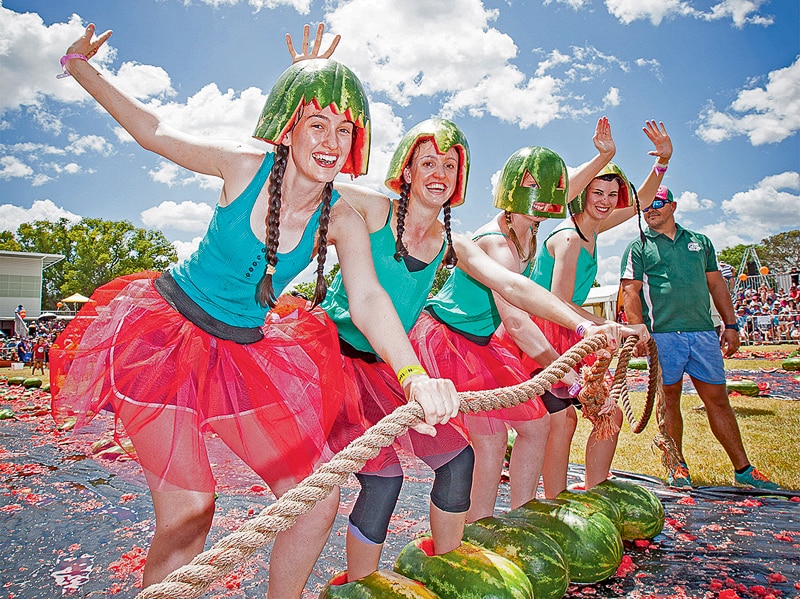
(9, 243)
(781, 252)
(95, 250)
(734, 255)
(307, 288)
(441, 276)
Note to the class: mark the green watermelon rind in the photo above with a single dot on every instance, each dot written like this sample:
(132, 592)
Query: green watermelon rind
(381, 584)
(531, 548)
(16, 380)
(791, 363)
(595, 501)
(642, 510)
(547, 167)
(590, 542)
(637, 364)
(467, 572)
(743, 387)
(32, 383)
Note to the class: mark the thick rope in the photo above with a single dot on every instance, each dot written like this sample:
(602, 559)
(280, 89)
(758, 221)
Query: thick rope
(192, 580)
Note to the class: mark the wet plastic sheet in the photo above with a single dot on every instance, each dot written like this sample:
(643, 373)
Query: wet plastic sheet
(91, 520)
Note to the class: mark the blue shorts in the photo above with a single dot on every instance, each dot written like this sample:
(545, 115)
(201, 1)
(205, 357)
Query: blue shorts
(696, 353)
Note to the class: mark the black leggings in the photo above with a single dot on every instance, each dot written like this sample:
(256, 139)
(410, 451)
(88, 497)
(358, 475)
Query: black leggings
(378, 497)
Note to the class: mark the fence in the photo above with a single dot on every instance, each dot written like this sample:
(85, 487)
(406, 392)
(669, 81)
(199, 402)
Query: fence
(762, 329)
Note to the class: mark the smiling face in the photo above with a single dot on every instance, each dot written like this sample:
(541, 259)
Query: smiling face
(601, 198)
(319, 144)
(433, 176)
(660, 218)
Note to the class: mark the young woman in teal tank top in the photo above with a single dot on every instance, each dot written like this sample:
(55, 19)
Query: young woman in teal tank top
(566, 264)
(179, 355)
(429, 171)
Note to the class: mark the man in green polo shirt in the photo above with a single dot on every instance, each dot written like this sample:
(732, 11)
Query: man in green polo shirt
(668, 284)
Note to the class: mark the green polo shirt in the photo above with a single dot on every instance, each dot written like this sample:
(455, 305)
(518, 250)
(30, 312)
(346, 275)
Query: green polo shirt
(673, 274)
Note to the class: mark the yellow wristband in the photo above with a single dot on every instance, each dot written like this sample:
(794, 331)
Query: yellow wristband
(406, 372)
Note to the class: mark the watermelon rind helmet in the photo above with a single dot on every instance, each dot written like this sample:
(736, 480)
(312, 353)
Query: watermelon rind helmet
(324, 82)
(533, 181)
(444, 134)
(624, 199)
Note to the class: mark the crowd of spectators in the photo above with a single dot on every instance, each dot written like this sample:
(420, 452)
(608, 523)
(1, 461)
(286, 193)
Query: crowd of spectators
(40, 334)
(767, 315)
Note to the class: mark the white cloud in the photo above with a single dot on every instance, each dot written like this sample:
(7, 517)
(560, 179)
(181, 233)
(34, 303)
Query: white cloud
(13, 168)
(80, 144)
(763, 211)
(689, 201)
(612, 97)
(766, 114)
(186, 216)
(11, 217)
(301, 6)
(574, 4)
(608, 270)
(628, 11)
(741, 12)
(186, 248)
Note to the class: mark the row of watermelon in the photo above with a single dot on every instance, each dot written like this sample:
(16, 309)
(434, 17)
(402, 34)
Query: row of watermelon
(29, 382)
(790, 362)
(535, 550)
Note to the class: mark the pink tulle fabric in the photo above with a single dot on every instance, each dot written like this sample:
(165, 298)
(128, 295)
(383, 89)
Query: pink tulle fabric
(378, 392)
(170, 384)
(474, 367)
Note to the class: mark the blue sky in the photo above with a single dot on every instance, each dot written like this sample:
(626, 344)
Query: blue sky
(724, 77)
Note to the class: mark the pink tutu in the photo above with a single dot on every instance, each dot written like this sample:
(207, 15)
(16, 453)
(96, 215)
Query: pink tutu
(561, 338)
(169, 382)
(379, 393)
(473, 367)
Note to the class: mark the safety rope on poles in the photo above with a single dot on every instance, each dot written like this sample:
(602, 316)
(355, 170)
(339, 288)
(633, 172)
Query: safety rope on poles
(192, 580)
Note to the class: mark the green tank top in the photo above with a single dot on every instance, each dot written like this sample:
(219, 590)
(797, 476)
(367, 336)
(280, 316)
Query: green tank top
(585, 270)
(408, 290)
(466, 305)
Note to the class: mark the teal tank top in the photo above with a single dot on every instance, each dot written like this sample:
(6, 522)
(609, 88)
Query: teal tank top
(408, 290)
(585, 271)
(222, 275)
(466, 305)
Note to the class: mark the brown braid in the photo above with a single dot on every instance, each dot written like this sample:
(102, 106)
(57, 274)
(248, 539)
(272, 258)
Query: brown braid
(450, 258)
(265, 294)
(322, 244)
(401, 249)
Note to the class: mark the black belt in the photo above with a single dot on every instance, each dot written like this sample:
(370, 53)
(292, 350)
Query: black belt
(178, 299)
(351, 352)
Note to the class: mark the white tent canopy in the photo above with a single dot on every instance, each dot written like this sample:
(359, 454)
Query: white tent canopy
(603, 301)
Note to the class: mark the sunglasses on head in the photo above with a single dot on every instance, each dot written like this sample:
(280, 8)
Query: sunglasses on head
(657, 204)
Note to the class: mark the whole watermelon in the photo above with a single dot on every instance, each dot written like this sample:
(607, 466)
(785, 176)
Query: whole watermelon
(638, 364)
(378, 585)
(742, 386)
(591, 544)
(465, 572)
(16, 380)
(791, 363)
(532, 549)
(595, 501)
(32, 383)
(642, 511)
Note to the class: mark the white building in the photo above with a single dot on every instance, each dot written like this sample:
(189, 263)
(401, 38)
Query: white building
(21, 283)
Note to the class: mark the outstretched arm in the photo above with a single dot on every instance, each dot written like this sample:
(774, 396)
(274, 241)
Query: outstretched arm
(662, 143)
(606, 148)
(143, 124)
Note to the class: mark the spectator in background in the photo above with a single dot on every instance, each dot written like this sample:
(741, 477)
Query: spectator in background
(20, 328)
(681, 271)
(727, 273)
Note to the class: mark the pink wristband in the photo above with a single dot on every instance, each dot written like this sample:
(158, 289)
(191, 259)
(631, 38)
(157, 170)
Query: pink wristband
(581, 328)
(660, 169)
(575, 389)
(64, 60)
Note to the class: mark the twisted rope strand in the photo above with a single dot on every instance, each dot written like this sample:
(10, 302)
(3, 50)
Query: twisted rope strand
(192, 580)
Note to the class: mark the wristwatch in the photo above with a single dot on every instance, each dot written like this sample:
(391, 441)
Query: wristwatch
(732, 327)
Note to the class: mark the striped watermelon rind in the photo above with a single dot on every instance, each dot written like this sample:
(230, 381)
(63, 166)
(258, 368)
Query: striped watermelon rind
(595, 501)
(16, 380)
(531, 548)
(791, 363)
(591, 544)
(642, 510)
(743, 387)
(32, 383)
(381, 584)
(467, 571)
(533, 181)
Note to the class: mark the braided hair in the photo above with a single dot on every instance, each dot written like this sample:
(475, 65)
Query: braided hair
(322, 244)
(638, 214)
(401, 251)
(265, 293)
(450, 258)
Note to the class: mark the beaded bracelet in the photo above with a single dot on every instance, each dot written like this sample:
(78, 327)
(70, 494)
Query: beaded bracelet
(64, 60)
(408, 371)
(659, 168)
(581, 328)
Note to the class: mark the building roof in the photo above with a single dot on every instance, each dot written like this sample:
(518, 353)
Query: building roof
(47, 259)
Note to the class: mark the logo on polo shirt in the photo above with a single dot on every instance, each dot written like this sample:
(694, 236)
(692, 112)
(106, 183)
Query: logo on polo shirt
(694, 247)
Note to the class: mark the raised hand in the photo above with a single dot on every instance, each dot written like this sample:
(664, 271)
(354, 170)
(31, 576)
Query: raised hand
(660, 138)
(297, 57)
(87, 46)
(602, 138)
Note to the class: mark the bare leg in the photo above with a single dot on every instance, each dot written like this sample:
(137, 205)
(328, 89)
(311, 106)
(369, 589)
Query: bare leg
(556, 457)
(447, 529)
(183, 519)
(527, 459)
(722, 420)
(297, 549)
(600, 454)
(490, 451)
(673, 419)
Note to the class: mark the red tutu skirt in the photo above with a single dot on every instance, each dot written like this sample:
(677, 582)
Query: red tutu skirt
(473, 367)
(561, 338)
(379, 394)
(169, 383)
